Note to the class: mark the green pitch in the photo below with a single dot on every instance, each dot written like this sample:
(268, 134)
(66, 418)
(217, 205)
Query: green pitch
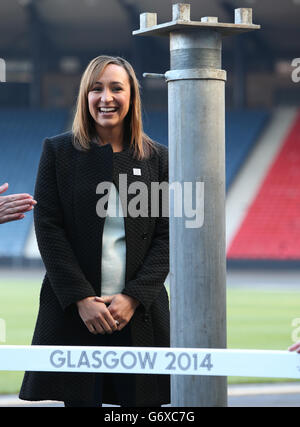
(256, 320)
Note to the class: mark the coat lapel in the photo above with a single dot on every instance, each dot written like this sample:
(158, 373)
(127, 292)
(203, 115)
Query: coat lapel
(132, 176)
(92, 168)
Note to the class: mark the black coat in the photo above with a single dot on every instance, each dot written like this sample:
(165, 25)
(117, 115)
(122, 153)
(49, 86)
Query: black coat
(69, 235)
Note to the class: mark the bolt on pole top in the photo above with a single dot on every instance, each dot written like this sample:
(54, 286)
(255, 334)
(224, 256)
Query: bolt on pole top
(181, 20)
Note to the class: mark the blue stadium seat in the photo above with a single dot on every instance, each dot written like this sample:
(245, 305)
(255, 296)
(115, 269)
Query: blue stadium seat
(156, 126)
(22, 132)
(242, 129)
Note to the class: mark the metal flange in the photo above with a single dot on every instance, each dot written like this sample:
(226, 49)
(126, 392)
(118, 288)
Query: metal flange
(181, 21)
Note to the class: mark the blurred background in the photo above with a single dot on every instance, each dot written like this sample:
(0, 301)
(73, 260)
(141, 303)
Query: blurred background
(46, 45)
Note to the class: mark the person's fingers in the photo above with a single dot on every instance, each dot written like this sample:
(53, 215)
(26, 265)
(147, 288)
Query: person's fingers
(12, 217)
(108, 323)
(101, 321)
(8, 210)
(101, 326)
(122, 325)
(113, 323)
(18, 208)
(11, 204)
(3, 187)
(19, 196)
(100, 299)
(295, 347)
(107, 299)
(27, 208)
(23, 201)
(91, 328)
(14, 214)
(105, 326)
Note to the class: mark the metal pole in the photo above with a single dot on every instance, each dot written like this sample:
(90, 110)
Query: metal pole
(197, 255)
(196, 91)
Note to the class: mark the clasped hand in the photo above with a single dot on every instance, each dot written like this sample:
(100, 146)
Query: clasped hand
(107, 314)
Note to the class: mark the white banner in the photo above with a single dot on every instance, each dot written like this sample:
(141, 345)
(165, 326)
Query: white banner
(151, 360)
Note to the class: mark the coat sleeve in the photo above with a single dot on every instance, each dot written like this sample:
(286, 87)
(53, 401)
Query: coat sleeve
(63, 271)
(149, 280)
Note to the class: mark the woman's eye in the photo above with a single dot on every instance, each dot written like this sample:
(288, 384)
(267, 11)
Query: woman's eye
(99, 89)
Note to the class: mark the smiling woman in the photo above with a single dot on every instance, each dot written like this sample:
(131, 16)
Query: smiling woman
(96, 82)
(104, 282)
(109, 102)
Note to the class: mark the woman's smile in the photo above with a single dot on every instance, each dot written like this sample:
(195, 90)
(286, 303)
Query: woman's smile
(107, 110)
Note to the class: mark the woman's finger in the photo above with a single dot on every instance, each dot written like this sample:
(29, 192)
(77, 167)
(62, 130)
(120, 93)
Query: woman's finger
(3, 187)
(18, 209)
(19, 203)
(103, 326)
(107, 299)
(295, 347)
(12, 217)
(122, 325)
(91, 328)
(109, 323)
(106, 319)
(10, 198)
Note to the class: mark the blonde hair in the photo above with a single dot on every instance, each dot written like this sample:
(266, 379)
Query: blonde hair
(83, 124)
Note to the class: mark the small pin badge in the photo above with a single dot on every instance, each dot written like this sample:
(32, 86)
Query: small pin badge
(137, 171)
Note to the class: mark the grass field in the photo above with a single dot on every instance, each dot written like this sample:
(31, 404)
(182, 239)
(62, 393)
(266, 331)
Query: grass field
(256, 319)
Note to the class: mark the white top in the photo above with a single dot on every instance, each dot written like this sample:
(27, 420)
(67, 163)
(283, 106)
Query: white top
(113, 267)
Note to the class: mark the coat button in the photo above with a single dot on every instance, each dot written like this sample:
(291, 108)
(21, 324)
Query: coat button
(144, 235)
(146, 317)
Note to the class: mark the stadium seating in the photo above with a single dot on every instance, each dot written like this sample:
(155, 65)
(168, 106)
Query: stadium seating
(242, 128)
(271, 229)
(156, 125)
(22, 132)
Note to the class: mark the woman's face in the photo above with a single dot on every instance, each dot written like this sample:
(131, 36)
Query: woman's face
(109, 98)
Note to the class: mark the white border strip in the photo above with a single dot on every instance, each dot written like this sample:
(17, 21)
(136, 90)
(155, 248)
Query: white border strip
(151, 360)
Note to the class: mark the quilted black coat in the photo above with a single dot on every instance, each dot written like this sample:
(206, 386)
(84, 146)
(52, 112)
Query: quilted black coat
(69, 235)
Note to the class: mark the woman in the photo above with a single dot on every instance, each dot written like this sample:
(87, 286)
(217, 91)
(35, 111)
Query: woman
(104, 282)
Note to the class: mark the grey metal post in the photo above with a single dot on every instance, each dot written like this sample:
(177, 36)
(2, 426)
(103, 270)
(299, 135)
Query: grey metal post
(196, 87)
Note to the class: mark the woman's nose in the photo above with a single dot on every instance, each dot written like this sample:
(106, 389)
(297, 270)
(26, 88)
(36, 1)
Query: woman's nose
(106, 95)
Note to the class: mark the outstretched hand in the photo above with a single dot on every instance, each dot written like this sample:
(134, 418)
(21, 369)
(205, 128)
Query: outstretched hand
(295, 347)
(14, 206)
